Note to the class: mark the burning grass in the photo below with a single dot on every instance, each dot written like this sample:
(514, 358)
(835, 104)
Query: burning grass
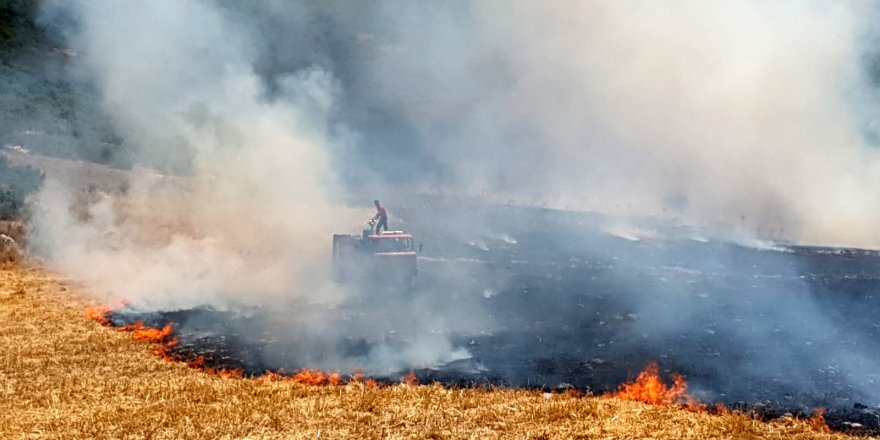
(62, 376)
(649, 388)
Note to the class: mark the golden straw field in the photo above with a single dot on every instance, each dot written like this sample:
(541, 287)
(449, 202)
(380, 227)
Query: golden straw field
(65, 377)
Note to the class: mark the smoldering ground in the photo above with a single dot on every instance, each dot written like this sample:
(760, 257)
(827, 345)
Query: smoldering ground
(734, 119)
(781, 330)
(578, 305)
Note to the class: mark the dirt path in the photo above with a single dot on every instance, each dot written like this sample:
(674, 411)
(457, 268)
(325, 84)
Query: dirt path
(62, 376)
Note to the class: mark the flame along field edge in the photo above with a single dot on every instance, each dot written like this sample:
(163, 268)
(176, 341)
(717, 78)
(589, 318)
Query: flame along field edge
(648, 387)
(165, 340)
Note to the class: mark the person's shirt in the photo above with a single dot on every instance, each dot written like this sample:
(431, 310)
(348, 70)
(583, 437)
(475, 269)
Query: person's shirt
(380, 211)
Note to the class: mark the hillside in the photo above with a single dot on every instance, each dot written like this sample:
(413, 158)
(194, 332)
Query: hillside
(42, 106)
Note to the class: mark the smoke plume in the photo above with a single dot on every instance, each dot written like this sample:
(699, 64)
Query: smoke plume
(743, 118)
(748, 113)
(248, 223)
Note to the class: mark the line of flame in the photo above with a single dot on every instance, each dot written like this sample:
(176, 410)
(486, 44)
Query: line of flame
(165, 340)
(648, 387)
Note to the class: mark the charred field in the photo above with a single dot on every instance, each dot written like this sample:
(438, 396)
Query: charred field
(202, 155)
(545, 299)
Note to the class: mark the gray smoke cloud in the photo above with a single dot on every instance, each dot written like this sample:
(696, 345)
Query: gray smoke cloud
(738, 109)
(171, 89)
(745, 113)
(249, 224)
(738, 117)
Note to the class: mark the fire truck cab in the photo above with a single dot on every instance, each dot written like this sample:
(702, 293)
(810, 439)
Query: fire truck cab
(388, 257)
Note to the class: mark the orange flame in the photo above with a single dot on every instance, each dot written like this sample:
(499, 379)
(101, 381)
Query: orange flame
(357, 376)
(234, 373)
(410, 379)
(149, 334)
(165, 339)
(304, 376)
(197, 363)
(817, 421)
(162, 352)
(100, 314)
(309, 377)
(649, 388)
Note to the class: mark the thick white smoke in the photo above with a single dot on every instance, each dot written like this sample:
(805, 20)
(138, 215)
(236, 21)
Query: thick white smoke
(250, 224)
(747, 113)
(177, 79)
(743, 112)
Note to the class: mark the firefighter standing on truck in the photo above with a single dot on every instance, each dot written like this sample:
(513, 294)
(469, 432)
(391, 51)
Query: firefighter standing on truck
(381, 215)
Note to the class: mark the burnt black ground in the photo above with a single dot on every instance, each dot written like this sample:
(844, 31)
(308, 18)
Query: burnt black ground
(549, 299)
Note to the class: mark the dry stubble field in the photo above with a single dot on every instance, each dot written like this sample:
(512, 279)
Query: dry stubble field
(62, 376)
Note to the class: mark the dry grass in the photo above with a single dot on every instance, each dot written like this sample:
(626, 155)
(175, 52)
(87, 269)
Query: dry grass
(62, 376)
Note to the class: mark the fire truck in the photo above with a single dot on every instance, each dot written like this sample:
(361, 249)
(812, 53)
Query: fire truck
(388, 257)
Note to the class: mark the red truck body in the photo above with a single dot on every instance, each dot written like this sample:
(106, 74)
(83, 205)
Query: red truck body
(389, 257)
